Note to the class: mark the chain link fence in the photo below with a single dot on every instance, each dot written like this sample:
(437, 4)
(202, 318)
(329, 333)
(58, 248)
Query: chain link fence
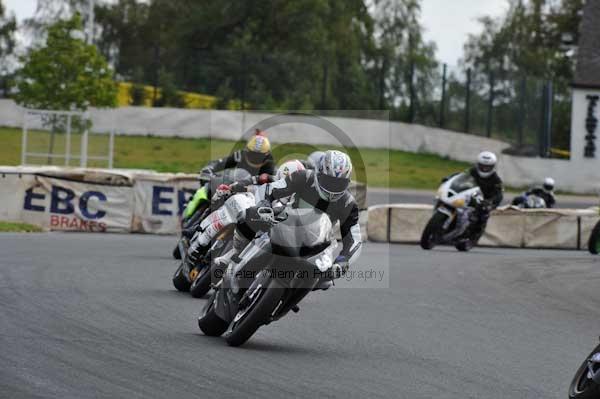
(532, 115)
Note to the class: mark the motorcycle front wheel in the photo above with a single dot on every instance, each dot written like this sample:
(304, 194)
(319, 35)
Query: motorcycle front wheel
(433, 230)
(187, 223)
(583, 387)
(248, 320)
(594, 242)
(465, 246)
(210, 323)
(201, 284)
(180, 282)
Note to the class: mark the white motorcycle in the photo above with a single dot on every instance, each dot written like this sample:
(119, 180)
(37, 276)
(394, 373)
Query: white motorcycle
(453, 214)
(271, 276)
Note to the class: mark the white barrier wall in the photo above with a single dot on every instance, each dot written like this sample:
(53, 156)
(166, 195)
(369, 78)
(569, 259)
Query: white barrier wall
(513, 228)
(229, 125)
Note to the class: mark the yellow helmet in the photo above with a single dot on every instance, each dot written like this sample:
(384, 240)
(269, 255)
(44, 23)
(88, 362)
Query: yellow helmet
(257, 149)
(259, 143)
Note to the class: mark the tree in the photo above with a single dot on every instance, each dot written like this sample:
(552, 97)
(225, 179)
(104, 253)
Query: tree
(8, 26)
(406, 66)
(138, 90)
(169, 96)
(272, 54)
(65, 74)
(522, 50)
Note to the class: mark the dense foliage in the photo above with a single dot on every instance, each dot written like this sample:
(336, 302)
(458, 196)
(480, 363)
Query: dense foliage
(520, 53)
(8, 26)
(303, 54)
(332, 54)
(65, 73)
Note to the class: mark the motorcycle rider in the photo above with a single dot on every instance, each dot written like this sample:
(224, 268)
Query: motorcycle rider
(484, 173)
(326, 188)
(240, 196)
(256, 158)
(546, 192)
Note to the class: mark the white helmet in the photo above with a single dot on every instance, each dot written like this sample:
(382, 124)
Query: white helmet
(287, 168)
(314, 158)
(332, 176)
(549, 184)
(486, 164)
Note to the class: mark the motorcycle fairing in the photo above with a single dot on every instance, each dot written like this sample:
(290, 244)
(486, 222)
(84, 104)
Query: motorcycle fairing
(200, 196)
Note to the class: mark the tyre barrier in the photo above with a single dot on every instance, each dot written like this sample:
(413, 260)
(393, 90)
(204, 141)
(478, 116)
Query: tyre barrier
(103, 200)
(508, 227)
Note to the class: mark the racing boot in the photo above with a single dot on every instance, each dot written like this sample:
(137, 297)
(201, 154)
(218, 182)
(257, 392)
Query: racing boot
(194, 255)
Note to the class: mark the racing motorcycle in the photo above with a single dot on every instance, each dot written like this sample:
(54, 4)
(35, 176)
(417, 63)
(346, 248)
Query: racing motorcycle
(271, 276)
(586, 383)
(199, 205)
(453, 214)
(529, 201)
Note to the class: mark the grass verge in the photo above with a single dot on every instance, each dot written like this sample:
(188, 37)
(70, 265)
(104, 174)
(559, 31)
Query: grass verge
(13, 227)
(378, 167)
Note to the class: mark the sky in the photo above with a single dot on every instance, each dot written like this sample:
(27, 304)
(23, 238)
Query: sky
(447, 22)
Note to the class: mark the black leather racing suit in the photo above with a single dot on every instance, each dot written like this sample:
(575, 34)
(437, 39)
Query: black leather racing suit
(302, 185)
(493, 193)
(238, 160)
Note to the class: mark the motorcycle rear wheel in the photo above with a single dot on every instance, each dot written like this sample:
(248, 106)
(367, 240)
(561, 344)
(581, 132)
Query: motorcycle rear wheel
(260, 311)
(210, 323)
(594, 242)
(582, 387)
(433, 230)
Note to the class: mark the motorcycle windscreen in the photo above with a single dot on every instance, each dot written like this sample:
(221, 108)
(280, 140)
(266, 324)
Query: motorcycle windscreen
(463, 182)
(302, 228)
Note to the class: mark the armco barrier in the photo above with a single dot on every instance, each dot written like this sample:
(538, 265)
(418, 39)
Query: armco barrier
(100, 200)
(507, 227)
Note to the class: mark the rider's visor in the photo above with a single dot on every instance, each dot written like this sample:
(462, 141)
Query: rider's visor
(333, 184)
(485, 168)
(255, 158)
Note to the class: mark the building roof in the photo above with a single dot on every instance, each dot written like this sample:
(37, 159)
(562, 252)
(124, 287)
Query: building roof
(587, 73)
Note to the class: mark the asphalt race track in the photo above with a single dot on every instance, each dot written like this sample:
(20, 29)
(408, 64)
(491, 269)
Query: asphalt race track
(95, 316)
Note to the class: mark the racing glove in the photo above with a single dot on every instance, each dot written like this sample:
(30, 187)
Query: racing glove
(222, 192)
(262, 179)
